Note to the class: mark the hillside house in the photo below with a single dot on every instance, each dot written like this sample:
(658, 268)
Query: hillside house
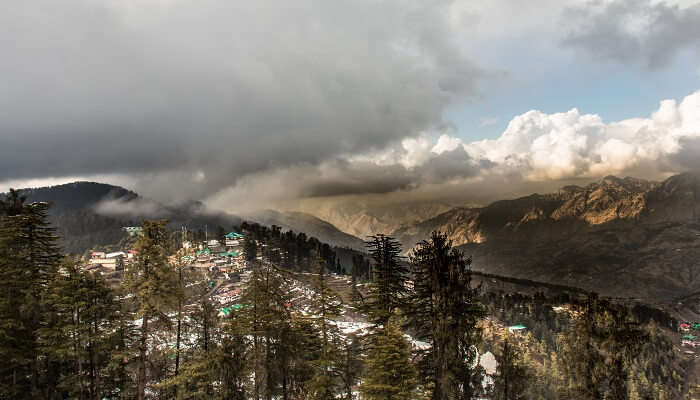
(233, 239)
(204, 255)
(690, 340)
(116, 254)
(517, 330)
(132, 230)
(684, 327)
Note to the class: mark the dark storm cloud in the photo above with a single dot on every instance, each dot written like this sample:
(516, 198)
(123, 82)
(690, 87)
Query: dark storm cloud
(452, 164)
(191, 95)
(688, 156)
(633, 31)
(366, 177)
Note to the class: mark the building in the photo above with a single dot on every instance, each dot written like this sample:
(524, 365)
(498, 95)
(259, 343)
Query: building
(690, 340)
(132, 230)
(517, 329)
(233, 239)
(115, 254)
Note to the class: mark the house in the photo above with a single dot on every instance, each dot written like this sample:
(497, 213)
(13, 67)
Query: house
(187, 259)
(116, 254)
(684, 327)
(203, 255)
(213, 243)
(109, 263)
(690, 340)
(517, 329)
(233, 239)
(97, 254)
(132, 230)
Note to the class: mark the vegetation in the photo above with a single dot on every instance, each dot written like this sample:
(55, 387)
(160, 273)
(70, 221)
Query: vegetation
(66, 333)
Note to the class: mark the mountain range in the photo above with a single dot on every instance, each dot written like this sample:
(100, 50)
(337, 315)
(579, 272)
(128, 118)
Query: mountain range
(622, 237)
(90, 214)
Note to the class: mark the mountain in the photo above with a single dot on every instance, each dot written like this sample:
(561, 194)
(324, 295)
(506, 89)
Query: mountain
(90, 214)
(310, 225)
(622, 237)
(362, 217)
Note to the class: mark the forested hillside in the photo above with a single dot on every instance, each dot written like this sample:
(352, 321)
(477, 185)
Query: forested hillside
(295, 326)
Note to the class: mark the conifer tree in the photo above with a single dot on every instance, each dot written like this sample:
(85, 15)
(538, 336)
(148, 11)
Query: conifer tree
(350, 365)
(265, 317)
(512, 378)
(388, 287)
(389, 375)
(444, 311)
(153, 285)
(323, 381)
(580, 352)
(28, 256)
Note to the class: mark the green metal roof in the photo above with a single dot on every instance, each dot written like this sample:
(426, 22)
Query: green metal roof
(689, 337)
(205, 251)
(228, 254)
(517, 327)
(233, 235)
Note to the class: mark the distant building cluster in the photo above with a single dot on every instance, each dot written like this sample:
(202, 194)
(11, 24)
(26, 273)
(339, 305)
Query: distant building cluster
(691, 331)
(114, 261)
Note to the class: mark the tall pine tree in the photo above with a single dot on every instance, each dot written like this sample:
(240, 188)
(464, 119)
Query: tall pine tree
(444, 310)
(390, 374)
(153, 285)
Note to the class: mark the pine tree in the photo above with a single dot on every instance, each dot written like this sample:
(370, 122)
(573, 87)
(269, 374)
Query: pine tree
(350, 365)
(250, 246)
(266, 317)
(512, 378)
(28, 257)
(389, 375)
(122, 338)
(444, 311)
(388, 287)
(326, 304)
(581, 359)
(153, 284)
(74, 338)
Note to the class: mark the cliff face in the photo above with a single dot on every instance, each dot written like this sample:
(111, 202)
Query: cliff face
(623, 237)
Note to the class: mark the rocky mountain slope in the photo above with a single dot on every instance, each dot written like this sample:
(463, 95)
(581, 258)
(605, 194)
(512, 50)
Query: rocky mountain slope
(623, 237)
(310, 225)
(362, 217)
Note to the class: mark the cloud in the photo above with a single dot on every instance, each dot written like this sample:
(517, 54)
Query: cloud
(488, 121)
(202, 93)
(537, 150)
(569, 145)
(132, 208)
(633, 31)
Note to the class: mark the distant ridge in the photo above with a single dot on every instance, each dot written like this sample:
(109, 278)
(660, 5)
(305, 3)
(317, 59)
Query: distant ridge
(90, 214)
(620, 236)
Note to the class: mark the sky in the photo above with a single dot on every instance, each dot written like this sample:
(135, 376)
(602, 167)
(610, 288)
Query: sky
(250, 104)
